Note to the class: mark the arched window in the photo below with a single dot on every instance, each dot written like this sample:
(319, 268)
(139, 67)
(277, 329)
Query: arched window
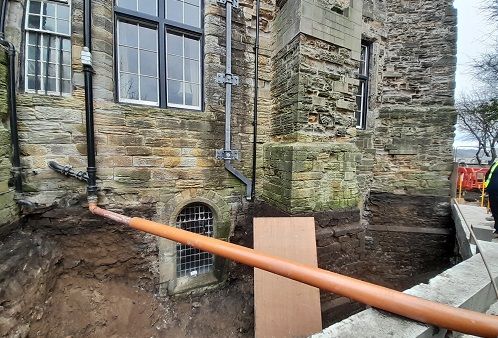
(191, 262)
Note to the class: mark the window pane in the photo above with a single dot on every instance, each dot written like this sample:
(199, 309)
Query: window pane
(175, 67)
(32, 67)
(66, 44)
(32, 52)
(174, 10)
(51, 70)
(66, 58)
(128, 34)
(192, 47)
(130, 4)
(66, 86)
(148, 38)
(63, 12)
(50, 41)
(148, 6)
(34, 21)
(66, 72)
(192, 94)
(148, 63)
(48, 24)
(175, 44)
(191, 71)
(128, 59)
(175, 92)
(49, 9)
(63, 26)
(32, 38)
(53, 56)
(50, 85)
(33, 84)
(35, 7)
(128, 86)
(148, 89)
(192, 15)
(48, 54)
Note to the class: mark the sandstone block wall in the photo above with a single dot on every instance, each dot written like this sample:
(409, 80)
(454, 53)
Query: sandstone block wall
(9, 212)
(312, 160)
(304, 177)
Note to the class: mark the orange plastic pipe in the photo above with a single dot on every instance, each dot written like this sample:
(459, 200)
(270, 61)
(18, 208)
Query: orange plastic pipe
(440, 315)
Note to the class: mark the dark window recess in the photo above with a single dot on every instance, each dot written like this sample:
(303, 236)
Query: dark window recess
(159, 54)
(48, 48)
(338, 10)
(362, 95)
(191, 262)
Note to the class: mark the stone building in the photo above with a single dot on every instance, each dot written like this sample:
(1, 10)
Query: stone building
(356, 125)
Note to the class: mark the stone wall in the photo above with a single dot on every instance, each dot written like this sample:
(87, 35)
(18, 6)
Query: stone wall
(411, 138)
(9, 213)
(145, 156)
(311, 159)
(296, 171)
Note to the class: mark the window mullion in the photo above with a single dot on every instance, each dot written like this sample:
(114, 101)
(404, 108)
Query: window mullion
(48, 40)
(60, 65)
(138, 58)
(162, 72)
(183, 69)
(38, 62)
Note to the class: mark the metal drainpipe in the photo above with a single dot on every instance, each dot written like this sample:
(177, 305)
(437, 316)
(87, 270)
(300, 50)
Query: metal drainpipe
(255, 115)
(229, 79)
(86, 59)
(11, 95)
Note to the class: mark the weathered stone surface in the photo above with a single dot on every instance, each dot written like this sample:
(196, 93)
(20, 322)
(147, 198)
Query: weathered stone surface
(311, 160)
(9, 212)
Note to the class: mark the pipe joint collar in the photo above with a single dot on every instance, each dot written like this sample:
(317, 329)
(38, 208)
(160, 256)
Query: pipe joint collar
(86, 57)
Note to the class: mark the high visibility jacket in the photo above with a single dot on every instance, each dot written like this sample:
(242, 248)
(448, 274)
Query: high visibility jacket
(489, 175)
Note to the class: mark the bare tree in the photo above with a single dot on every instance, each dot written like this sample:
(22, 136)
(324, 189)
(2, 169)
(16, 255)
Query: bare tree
(478, 117)
(486, 67)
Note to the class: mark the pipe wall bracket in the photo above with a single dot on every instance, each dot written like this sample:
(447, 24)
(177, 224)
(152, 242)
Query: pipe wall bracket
(222, 154)
(235, 3)
(227, 79)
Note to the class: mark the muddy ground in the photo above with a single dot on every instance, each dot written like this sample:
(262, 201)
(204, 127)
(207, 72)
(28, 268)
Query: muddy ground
(67, 277)
(86, 307)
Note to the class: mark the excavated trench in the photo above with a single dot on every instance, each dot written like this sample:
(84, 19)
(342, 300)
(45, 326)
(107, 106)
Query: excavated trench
(61, 277)
(67, 273)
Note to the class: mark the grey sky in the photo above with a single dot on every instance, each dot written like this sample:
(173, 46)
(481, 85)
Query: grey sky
(475, 36)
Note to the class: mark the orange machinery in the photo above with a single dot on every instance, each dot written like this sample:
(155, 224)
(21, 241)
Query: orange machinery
(471, 178)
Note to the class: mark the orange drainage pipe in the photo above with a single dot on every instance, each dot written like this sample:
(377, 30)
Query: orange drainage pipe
(440, 315)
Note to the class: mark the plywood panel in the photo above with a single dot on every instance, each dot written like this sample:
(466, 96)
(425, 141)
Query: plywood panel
(283, 307)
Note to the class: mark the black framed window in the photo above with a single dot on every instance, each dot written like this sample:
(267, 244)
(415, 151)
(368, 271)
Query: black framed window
(362, 95)
(48, 47)
(159, 52)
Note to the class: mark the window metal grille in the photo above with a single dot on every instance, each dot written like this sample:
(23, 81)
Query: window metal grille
(48, 47)
(197, 218)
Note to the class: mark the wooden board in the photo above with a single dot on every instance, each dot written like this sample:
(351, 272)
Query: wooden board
(283, 307)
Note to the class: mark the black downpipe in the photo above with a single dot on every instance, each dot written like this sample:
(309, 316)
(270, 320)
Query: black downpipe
(11, 96)
(255, 115)
(90, 131)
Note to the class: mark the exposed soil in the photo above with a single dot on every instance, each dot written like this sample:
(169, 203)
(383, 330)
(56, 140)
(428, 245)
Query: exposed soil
(77, 276)
(84, 307)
